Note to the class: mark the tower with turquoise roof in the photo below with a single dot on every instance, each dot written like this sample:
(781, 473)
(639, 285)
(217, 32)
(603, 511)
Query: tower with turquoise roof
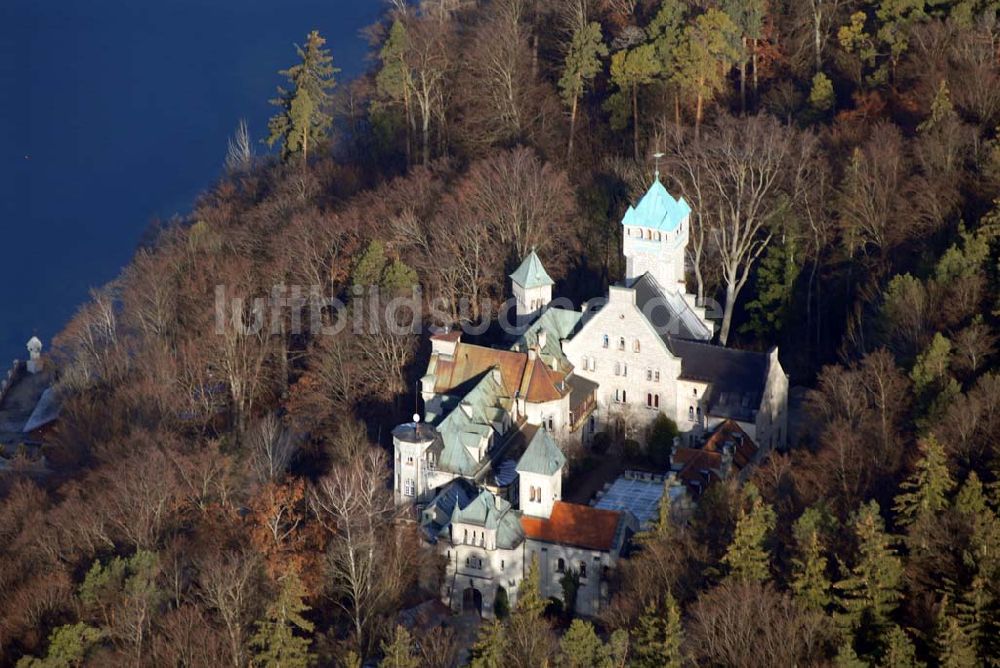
(655, 236)
(532, 287)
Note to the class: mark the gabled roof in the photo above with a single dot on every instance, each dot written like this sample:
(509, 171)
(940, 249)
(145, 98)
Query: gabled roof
(657, 210)
(558, 324)
(471, 361)
(668, 312)
(737, 377)
(576, 525)
(531, 273)
(730, 434)
(542, 455)
(541, 384)
(468, 423)
(492, 512)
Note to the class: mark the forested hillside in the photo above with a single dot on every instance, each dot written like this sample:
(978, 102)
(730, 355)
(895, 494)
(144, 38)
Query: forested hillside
(219, 498)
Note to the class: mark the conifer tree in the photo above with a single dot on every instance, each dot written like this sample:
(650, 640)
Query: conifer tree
(899, 650)
(617, 649)
(490, 649)
(303, 119)
(580, 647)
(658, 637)
(871, 592)
(393, 82)
(708, 51)
(747, 556)
(926, 491)
(809, 580)
(583, 62)
(69, 646)
(847, 657)
(276, 642)
(528, 633)
(666, 33)
(955, 648)
(630, 69)
(398, 651)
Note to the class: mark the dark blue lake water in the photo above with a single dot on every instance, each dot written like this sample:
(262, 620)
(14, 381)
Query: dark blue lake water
(115, 112)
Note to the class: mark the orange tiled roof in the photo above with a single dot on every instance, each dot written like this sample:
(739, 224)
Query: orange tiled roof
(574, 524)
(540, 383)
(471, 361)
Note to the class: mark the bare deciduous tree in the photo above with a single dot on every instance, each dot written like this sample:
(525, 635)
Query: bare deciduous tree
(364, 573)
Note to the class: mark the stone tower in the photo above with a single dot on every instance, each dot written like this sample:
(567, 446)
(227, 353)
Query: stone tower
(532, 287)
(655, 236)
(540, 472)
(34, 355)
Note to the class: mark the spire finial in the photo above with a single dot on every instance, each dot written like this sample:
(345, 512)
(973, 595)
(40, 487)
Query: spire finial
(656, 158)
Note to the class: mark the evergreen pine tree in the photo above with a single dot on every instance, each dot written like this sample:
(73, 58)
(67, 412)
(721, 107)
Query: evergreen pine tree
(69, 646)
(490, 648)
(747, 556)
(580, 647)
(398, 651)
(955, 648)
(583, 62)
(926, 491)
(617, 649)
(630, 69)
(529, 637)
(809, 580)
(847, 657)
(899, 651)
(303, 120)
(658, 637)
(871, 592)
(276, 642)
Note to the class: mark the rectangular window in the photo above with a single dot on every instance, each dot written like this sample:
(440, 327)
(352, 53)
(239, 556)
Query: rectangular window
(408, 487)
(649, 374)
(656, 376)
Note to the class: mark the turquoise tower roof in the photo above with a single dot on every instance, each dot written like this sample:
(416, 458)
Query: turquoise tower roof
(657, 210)
(541, 456)
(531, 273)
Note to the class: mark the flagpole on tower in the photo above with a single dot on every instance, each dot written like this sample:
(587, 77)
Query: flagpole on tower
(656, 158)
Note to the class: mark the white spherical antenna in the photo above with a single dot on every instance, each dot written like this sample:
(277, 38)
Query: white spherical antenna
(416, 417)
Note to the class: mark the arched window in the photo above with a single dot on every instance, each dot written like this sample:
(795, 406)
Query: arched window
(561, 565)
(624, 369)
(606, 340)
(656, 401)
(618, 368)
(623, 397)
(635, 346)
(695, 391)
(649, 399)
(691, 413)
(465, 535)
(621, 343)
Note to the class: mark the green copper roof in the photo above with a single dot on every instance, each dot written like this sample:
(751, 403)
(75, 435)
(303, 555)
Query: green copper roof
(492, 512)
(657, 210)
(558, 324)
(469, 422)
(531, 273)
(541, 456)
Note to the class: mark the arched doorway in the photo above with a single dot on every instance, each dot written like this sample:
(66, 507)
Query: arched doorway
(472, 601)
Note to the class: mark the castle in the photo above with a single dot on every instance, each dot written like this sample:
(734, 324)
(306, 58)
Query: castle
(485, 468)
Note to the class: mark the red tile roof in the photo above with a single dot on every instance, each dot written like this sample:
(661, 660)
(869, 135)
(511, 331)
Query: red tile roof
(471, 361)
(540, 383)
(576, 525)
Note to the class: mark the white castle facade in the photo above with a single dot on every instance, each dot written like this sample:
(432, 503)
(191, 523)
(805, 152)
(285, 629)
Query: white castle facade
(485, 468)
